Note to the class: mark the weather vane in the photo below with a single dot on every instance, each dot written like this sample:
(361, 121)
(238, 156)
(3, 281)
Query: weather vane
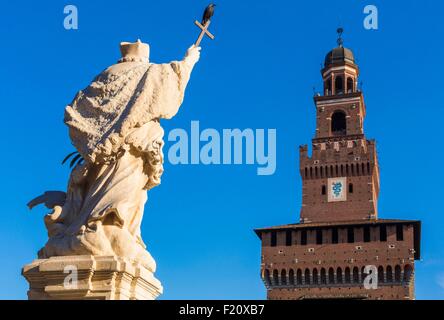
(204, 25)
(340, 31)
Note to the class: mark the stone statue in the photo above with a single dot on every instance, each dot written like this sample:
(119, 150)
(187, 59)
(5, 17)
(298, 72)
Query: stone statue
(114, 125)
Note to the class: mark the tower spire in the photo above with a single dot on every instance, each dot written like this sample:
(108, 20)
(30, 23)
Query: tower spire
(340, 41)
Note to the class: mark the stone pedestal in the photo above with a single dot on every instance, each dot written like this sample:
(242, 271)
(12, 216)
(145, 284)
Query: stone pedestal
(90, 277)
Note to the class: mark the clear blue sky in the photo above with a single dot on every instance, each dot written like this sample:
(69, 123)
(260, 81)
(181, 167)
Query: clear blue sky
(258, 73)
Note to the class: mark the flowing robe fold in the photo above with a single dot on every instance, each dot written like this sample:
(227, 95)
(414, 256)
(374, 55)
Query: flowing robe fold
(114, 124)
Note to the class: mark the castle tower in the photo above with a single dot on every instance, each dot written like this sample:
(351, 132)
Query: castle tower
(340, 248)
(341, 179)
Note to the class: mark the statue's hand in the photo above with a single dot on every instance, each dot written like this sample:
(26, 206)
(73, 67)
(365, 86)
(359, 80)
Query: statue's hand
(192, 55)
(50, 199)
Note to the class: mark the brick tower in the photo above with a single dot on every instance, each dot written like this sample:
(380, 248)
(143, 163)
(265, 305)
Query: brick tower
(340, 249)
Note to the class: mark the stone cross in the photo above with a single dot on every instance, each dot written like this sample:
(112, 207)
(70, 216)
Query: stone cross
(204, 31)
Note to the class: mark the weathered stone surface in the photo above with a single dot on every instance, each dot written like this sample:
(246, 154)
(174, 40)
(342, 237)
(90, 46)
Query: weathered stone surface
(115, 126)
(90, 277)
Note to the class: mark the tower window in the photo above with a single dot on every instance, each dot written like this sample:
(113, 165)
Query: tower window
(339, 85)
(303, 237)
(350, 235)
(324, 190)
(350, 85)
(367, 234)
(328, 87)
(338, 123)
(383, 233)
(273, 239)
(318, 236)
(399, 233)
(334, 236)
(288, 238)
(350, 188)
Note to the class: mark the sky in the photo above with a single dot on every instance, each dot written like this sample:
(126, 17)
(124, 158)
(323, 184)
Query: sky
(258, 73)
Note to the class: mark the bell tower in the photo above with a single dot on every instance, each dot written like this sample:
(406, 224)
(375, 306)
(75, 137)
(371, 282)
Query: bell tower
(341, 178)
(340, 243)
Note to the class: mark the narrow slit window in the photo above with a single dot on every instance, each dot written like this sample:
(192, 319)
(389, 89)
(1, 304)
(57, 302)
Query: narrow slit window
(367, 234)
(334, 236)
(318, 236)
(383, 233)
(399, 233)
(303, 237)
(273, 239)
(350, 235)
(288, 238)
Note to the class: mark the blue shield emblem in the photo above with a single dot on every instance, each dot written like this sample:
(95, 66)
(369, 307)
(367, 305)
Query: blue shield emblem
(337, 189)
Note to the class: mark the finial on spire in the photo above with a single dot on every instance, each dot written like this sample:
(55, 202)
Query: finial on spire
(340, 40)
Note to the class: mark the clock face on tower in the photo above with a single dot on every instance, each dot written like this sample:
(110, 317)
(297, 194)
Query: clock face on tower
(337, 190)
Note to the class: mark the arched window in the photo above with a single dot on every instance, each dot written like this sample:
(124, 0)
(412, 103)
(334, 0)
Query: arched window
(397, 274)
(315, 276)
(355, 275)
(323, 276)
(307, 277)
(322, 172)
(389, 274)
(275, 277)
(339, 85)
(342, 170)
(306, 172)
(311, 172)
(346, 169)
(368, 168)
(291, 277)
(316, 172)
(350, 188)
(347, 275)
(350, 85)
(381, 274)
(363, 168)
(324, 190)
(299, 277)
(339, 123)
(408, 270)
(284, 277)
(267, 277)
(331, 276)
(363, 274)
(327, 86)
(339, 275)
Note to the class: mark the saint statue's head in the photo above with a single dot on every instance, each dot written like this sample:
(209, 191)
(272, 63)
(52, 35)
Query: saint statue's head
(134, 51)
